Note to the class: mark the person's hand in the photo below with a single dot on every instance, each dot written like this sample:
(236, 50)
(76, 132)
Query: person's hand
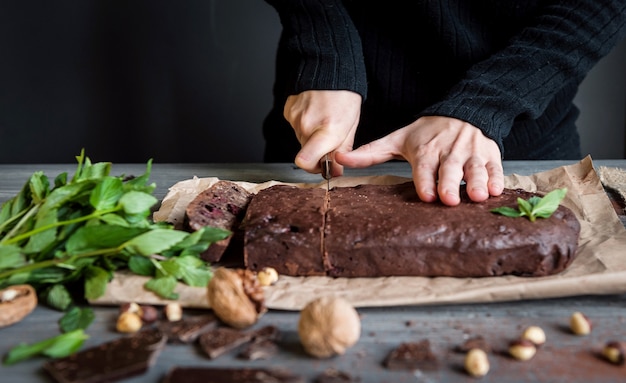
(324, 121)
(442, 152)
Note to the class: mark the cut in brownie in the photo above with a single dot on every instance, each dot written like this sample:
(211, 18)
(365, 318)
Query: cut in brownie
(385, 230)
(283, 229)
(222, 205)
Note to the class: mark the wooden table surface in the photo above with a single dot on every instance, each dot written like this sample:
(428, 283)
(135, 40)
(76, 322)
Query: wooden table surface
(564, 358)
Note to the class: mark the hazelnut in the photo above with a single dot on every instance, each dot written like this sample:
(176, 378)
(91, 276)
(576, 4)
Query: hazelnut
(149, 314)
(614, 352)
(476, 362)
(267, 276)
(236, 297)
(522, 349)
(128, 322)
(328, 326)
(16, 302)
(173, 312)
(580, 324)
(534, 334)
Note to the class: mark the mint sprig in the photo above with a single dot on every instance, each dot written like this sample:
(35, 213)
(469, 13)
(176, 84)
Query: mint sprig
(535, 207)
(79, 230)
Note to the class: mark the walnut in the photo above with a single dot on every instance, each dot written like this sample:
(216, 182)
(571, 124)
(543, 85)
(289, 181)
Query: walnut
(16, 302)
(236, 297)
(328, 326)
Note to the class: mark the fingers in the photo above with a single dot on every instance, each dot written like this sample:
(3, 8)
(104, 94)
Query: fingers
(376, 152)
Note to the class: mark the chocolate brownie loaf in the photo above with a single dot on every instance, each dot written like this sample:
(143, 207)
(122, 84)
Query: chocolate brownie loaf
(283, 229)
(222, 205)
(375, 230)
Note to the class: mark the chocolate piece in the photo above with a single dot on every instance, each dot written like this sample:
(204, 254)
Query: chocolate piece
(111, 361)
(189, 328)
(412, 356)
(221, 375)
(335, 376)
(283, 228)
(259, 349)
(222, 205)
(266, 332)
(221, 340)
(385, 230)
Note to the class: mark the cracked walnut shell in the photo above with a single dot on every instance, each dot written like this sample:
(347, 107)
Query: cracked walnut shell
(16, 302)
(236, 297)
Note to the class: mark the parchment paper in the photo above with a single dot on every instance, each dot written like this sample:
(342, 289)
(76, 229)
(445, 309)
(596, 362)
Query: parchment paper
(599, 268)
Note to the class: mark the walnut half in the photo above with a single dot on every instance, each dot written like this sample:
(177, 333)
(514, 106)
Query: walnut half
(16, 302)
(236, 297)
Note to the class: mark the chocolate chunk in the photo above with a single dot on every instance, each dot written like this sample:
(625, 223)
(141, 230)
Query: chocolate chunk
(221, 340)
(259, 349)
(111, 361)
(267, 332)
(220, 375)
(335, 376)
(411, 356)
(188, 329)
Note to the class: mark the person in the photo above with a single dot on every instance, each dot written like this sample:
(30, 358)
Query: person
(453, 87)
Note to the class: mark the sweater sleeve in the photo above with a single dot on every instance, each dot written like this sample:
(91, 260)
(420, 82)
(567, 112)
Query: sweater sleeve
(560, 45)
(323, 45)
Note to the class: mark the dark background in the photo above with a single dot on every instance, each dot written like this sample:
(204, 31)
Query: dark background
(177, 81)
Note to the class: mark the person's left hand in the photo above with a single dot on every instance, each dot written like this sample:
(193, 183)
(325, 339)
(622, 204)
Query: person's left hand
(442, 152)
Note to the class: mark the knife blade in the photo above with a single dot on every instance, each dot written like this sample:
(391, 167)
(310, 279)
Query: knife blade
(326, 164)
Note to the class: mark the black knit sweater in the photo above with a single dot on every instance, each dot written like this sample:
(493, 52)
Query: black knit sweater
(510, 68)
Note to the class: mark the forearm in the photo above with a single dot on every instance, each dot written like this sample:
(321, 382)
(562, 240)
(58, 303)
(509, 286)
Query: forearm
(323, 46)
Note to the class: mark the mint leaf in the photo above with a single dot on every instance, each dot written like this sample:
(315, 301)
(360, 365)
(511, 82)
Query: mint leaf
(163, 286)
(136, 202)
(11, 257)
(141, 265)
(58, 297)
(76, 318)
(535, 207)
(56, 347)
(106, 194)
(549, 203)
(155, 241)
(96, 280)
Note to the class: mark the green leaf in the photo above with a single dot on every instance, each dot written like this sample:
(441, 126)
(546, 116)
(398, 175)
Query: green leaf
(193, 271)
(39, 187)
(76, 318)
(507, 211)
(89, 238)
(11, 257)
(136, 202)
(163, 287)
(549, 203)
(535, 207)
(39, 241)
(58, 297)
(96, 280)
(141, 265)
(155, 241)
(56, 347)
(106, 194)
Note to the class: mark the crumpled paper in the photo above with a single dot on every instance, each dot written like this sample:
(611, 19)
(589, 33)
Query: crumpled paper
(599, 268)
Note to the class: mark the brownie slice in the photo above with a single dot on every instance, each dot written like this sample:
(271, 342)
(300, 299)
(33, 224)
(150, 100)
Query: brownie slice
(412, 356)
(222, 205)
(283, 229)
(118, 359)
(239, 375)
(374, 230)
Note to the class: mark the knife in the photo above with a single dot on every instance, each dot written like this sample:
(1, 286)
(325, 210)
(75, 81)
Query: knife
(326, 164)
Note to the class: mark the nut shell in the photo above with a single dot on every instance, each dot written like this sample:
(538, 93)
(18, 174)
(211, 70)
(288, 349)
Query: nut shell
(236, 297)
(328, 326)
(17, 302)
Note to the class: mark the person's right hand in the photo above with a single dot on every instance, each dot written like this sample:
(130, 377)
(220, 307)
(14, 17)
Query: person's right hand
(324, 121)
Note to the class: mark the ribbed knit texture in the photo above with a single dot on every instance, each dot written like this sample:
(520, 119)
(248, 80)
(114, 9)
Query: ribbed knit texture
(511, 68)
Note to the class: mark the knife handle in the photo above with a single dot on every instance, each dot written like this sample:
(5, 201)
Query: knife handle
(326, 165)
